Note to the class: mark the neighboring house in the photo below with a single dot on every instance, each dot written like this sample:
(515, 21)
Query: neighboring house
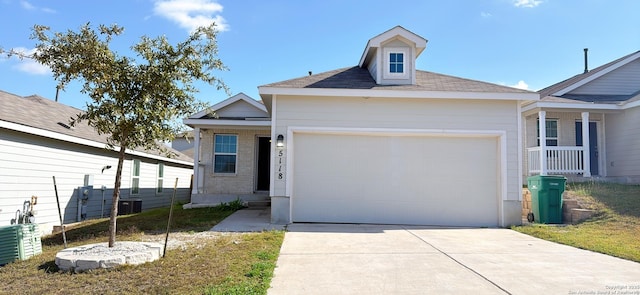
(183, 143)
(36, 144)
(380, 142)
(587, 126)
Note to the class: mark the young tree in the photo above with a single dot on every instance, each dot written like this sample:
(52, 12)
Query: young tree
(134, 101)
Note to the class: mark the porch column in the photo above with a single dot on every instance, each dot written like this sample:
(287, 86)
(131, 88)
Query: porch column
(196, 160)
(586, 154)
(542, 126)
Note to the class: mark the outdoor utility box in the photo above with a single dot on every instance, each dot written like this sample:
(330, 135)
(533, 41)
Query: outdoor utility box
(129, 206)
(546, 197)
(19, 241)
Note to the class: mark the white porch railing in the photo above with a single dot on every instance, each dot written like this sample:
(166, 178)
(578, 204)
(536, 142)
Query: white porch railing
(560, 160)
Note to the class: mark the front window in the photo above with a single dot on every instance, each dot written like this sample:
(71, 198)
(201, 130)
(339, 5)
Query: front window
(551, 130)
(225, 153)
(135, 178)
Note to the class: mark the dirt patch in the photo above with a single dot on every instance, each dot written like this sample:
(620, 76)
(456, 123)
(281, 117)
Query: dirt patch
(185, 240)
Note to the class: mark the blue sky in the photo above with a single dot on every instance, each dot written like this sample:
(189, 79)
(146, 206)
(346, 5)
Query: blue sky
(526, 43)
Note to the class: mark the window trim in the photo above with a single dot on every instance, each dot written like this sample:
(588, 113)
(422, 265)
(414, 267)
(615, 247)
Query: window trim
(135, 189)
(235, 169)
(160, 179)
(556, 138)
(387, 63)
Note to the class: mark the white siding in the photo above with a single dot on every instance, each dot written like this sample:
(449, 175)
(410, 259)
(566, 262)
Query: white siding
(622, 81)
(623, 144)
(241, 109)
(28, 164)
(405, 114)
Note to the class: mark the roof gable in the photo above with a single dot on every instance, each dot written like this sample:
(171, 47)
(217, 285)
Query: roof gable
(237, 106)
(396, 32)
(565, 87)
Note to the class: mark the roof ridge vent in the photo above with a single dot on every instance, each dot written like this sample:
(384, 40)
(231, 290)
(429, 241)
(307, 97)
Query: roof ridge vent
(66, 126)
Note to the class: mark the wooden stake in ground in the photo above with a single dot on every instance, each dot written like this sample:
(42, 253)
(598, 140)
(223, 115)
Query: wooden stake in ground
(64, 237)
(173, 198)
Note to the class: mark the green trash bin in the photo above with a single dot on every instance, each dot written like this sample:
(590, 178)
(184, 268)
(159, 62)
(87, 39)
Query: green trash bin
(546, 197)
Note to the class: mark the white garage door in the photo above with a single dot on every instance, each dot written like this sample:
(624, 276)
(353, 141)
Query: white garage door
(422, 180)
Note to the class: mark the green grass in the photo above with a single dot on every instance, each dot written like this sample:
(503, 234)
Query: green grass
(615, 228)
(224, 264)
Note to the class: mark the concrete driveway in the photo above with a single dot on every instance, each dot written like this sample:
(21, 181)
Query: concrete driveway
(386, 259)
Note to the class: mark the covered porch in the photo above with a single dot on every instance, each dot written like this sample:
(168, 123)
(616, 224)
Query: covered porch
(566, 141)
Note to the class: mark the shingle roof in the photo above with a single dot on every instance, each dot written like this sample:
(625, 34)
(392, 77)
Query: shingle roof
(577, 78)
(359, 78)
(42, 113)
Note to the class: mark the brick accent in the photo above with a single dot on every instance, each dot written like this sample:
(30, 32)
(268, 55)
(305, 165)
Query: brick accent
(571, 210)
(242, 182)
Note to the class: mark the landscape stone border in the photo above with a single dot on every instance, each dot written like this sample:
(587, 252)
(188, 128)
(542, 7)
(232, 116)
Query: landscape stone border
(94, 256)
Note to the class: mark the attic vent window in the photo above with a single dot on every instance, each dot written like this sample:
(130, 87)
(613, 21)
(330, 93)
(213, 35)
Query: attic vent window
(65, 125)
(396, 62)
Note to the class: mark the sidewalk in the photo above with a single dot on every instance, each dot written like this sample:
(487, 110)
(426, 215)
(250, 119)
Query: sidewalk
(248, 220)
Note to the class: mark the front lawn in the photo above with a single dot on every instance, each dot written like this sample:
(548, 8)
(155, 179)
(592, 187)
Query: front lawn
(203, 263)
(614, 230)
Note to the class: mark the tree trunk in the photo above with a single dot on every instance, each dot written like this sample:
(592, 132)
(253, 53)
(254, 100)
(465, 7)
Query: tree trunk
(116, 197)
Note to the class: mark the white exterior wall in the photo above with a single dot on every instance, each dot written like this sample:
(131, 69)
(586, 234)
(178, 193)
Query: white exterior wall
(28, 164)
(240, 109)
(399, 113)
(243, 181)
(623, 145)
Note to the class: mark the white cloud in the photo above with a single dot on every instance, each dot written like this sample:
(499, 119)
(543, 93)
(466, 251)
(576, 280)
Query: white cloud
(485, 14)
(520, 85)
(28, 6)
(28, 65)
(527, 3)
(191, 14)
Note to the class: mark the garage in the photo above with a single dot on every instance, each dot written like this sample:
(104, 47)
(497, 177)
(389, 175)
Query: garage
(395, 178)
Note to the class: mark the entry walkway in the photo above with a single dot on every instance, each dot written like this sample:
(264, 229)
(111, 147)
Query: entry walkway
(248, 220)
(386, 259)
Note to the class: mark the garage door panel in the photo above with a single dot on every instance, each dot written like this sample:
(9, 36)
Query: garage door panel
(395, 179)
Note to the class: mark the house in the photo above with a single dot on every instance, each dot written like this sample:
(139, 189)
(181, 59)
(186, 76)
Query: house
(380, 142)
(183, 142)
(587, 127)
(37, 144)
(233, 140)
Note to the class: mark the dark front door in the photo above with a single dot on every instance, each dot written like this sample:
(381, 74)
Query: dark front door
(593, 145)
(264, 158)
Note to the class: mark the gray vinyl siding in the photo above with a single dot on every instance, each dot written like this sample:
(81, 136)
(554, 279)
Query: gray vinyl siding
(181, 144)
(623, 144)
(355, 112)
(622, 81)
(28, 164)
